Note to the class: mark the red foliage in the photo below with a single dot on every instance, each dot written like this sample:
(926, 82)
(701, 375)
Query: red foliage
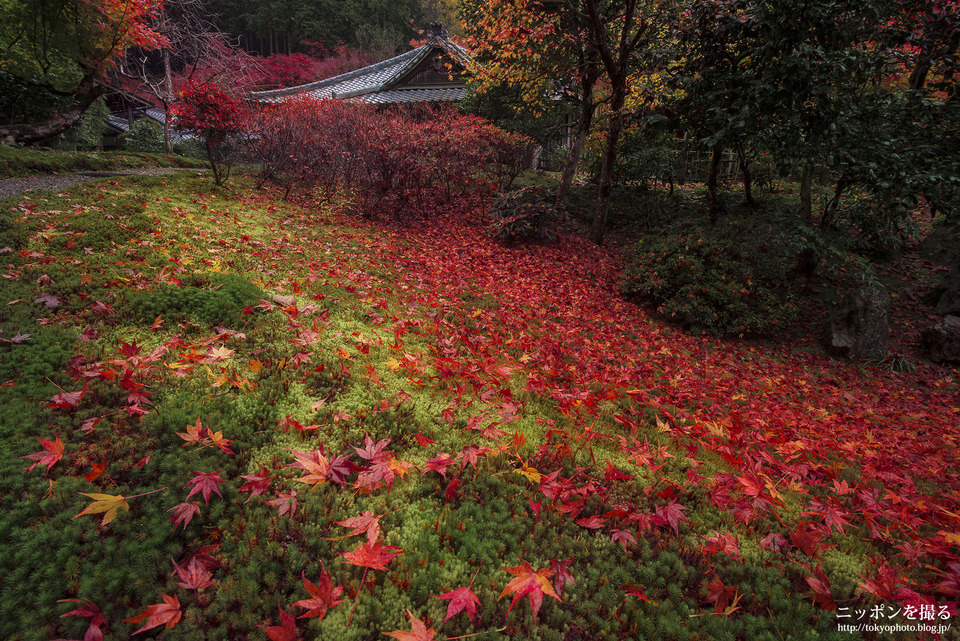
(213, 114)
(289, 70)
(386, 161)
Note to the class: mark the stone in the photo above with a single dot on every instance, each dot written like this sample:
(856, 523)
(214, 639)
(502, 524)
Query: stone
(943, 340)
(942, 245)
(859, 326)
(946, 296)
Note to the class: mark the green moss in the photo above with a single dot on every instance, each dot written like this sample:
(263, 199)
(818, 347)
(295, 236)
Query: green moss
(220, 302)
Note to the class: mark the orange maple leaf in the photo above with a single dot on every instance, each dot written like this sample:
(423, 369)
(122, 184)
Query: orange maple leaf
(419, 631)
(324, 596)
(166, 613)
(530, 583)
(195, 433)
(314, 463)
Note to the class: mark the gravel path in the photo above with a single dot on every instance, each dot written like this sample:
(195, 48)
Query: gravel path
(16, 186)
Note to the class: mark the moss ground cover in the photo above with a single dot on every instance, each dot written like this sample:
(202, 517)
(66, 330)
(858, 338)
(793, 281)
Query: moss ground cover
(238, 411)
(26, 162)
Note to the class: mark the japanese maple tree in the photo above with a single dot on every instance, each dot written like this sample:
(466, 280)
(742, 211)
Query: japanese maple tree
(210, 112)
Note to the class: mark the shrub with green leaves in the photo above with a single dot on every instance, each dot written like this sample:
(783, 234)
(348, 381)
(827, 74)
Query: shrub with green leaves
(89, 130)
(709, 283)
(522, 215)
(145, 135)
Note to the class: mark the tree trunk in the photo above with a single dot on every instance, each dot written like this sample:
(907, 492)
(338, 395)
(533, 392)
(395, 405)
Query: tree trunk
(806, 196)
(27, 134)
(830, 209)
(609, 158)
(168, 98)
(716, 154)
(745, 172)
(576, 145)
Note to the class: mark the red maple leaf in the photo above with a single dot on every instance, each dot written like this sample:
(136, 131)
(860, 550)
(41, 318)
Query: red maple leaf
(372, 555)
(671, 514)
(285, 503)
(205, 483)
(324, 596)
(166, 613)
(529, 583)
(462, 598)
(195, 576)
(438, 464)
(726, 543)
(821, 591)
(371, 451)
(52, 452)
(66, 400)
(182, 513)
(563, 574)
(286, 631)
(195, 434)
(256, 483)
(90, 611)
(315, 463)
(367, 522)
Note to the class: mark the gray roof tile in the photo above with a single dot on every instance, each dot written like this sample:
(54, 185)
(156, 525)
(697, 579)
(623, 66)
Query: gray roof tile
(372, 84)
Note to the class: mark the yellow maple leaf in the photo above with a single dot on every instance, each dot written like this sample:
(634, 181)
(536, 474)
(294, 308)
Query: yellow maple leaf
(950, 537)
(530, 473)
(105, 504)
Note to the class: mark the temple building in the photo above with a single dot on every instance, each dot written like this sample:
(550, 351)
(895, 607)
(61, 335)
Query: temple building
(433, 72)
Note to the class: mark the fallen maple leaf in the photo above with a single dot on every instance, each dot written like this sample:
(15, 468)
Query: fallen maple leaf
(285, 503)
(530, 583)
(324, 595)
(166, 613)
(256, 483)
(66, 400)
(372, 555)
(195, 434)
(286, 631)
(183, 512)
(314, 463)
(206, 483)
(821, 592)
(52, 452)
(635, 590)
(195, 576)
(367, 523)
(671, 514)
(460, 599)
(98, 469)
(90, 611)
(418, 632)
(563, 574)
(104, 504)
(219, 441)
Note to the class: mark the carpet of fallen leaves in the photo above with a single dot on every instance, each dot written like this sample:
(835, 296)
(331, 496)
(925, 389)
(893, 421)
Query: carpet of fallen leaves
(767, 431)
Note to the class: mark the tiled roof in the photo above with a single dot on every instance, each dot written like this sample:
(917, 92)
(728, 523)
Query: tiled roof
(123, 125)
(374, 84)
(439, 94)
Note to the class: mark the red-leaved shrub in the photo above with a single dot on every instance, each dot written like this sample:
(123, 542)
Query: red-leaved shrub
(207, 110)
(385, 161)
